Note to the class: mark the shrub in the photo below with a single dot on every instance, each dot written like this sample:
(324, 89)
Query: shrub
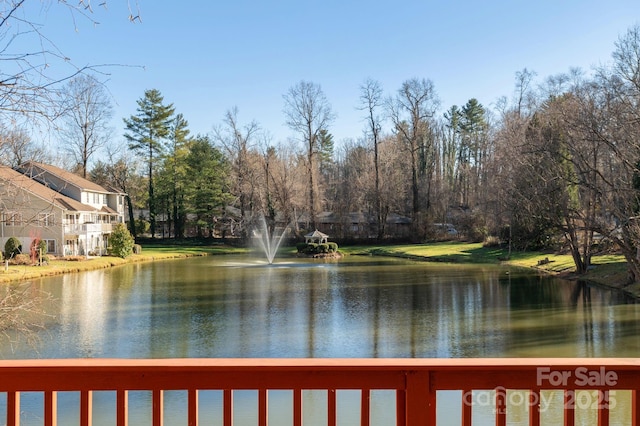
(121, 241)
(314, 248)
(21, 259)
(38, 248)
(74, 258)
(12, 247)
(491, 242)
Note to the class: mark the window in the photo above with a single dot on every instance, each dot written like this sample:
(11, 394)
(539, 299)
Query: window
(51, 246)
(46, 219)
(12, 218)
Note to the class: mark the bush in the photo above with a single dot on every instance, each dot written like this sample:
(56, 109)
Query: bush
(313, 248)
(73, 258)
(137, 249)
(38, 248)
(491, 242)
(121, 241)
(21, 259)
(12, 247)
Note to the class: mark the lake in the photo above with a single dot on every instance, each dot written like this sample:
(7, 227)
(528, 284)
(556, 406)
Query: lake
(238, 306)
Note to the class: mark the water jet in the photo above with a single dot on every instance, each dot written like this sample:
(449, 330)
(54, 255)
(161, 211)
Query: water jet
(268, 241)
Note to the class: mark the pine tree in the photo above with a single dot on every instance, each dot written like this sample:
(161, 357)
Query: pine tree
(173, 176)
(325, 150)
(146, 132)
(206, 193)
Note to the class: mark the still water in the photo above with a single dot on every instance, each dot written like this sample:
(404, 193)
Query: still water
(231, 306)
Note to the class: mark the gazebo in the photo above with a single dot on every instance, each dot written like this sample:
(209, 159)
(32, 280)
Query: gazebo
(316, 237)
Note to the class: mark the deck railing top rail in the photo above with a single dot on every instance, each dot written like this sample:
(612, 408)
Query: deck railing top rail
(416, 381)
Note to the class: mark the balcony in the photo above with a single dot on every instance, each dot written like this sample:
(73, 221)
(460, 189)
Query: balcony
(87, 228)
(416, 384)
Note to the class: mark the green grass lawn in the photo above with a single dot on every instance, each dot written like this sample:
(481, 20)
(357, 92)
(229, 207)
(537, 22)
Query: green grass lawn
(150, 252)
(607, 269)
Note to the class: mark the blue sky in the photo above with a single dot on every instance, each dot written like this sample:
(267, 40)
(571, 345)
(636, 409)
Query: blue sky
(209, 56)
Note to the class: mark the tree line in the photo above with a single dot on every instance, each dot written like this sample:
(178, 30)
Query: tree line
(556, 165)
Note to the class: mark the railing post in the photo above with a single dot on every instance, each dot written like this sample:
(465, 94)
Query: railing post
(297, 407)
(635, 407)
(227, 403)
(569, 407)
(501, 406)
(467, 407)
(192, 407)
(420, 406)
(158, 407)
(86, 408)
(263, 404)
(13, 408)
(534, 407)
(603, 408)
(331, 407)
(401, 407)
(122, 408)
(365, 407)
(50, 408)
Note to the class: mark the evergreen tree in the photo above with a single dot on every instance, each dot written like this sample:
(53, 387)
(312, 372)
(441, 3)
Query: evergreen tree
(325, 150)
(173, 176)
(145, 133)
(207, 190)
(450, 148)
(473, 149)
(121, 241)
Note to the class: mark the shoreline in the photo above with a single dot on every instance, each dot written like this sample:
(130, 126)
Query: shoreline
(19, 273)
(607, 271)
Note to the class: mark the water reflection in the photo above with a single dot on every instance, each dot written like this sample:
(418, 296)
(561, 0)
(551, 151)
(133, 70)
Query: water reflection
(361, 307)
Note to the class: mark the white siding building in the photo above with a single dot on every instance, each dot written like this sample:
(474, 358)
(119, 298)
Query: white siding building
(73, 215)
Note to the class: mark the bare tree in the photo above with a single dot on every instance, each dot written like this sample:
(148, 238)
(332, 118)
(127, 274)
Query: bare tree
(121, 174)
(33, 67)
(524, 96)
(371, 101)
(308, 113)
(283, 166)
(238, 141)
(16, 147)
(411, 112)
(87, 116)
(23, 313)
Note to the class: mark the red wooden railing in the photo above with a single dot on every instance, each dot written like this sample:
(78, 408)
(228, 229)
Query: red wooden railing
(415, 381)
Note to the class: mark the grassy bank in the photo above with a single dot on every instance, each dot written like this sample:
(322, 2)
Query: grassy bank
(607, 270)
(149, 253)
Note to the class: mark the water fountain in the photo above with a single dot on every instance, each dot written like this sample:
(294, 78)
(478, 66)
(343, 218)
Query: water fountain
(268, 243)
